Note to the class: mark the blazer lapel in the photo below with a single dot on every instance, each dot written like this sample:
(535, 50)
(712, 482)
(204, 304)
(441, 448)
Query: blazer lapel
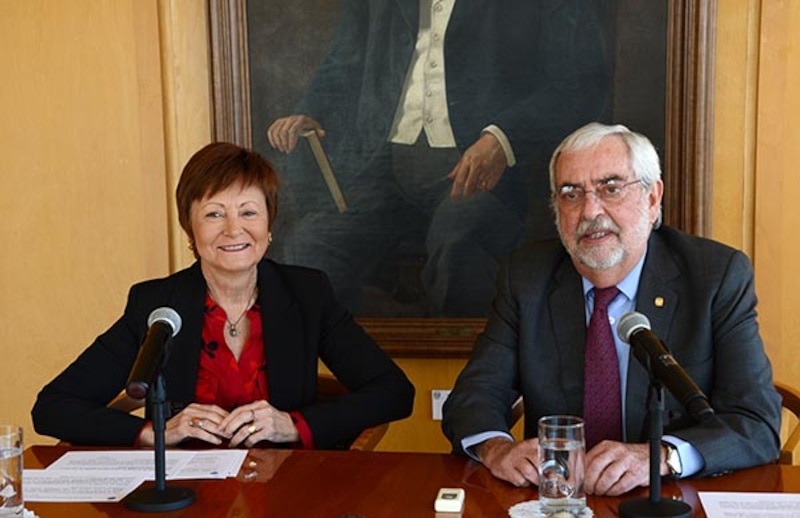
(409, 9)
(567, 307)
(657, 301)
(188, 299)
(284, 340)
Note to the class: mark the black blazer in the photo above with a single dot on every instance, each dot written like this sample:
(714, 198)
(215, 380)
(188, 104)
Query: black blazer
(302, 323)
(534, 345)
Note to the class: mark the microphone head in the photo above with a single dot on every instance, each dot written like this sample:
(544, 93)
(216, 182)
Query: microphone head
(167, 316)
(631, 323)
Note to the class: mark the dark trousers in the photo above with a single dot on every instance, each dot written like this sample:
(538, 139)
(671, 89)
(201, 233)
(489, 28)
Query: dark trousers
(400, 211)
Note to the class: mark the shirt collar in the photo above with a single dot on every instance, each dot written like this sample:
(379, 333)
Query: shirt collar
(629, 286)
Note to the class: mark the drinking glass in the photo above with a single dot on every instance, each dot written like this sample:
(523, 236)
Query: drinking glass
(562, 451)
(11, 503)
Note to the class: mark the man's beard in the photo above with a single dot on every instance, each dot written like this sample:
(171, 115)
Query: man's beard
(607, 255)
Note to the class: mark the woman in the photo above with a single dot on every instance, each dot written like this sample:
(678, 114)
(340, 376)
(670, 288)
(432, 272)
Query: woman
(242, 370)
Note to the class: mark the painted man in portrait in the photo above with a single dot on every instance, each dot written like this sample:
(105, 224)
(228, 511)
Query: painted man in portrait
(438, 117)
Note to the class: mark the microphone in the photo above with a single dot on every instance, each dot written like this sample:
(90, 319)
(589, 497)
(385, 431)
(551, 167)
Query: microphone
(163, 323)
(634, 329)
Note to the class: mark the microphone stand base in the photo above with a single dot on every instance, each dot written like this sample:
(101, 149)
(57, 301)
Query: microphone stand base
(152, 499)
(645, 508)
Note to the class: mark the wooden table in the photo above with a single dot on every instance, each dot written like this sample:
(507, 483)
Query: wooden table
(335, 484)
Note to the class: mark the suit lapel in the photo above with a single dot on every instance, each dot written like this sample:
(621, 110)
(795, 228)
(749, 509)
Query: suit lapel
(567, 306)
(464, 13)
(283, 338)
(658, 302)
(188, 299)
(409, 9)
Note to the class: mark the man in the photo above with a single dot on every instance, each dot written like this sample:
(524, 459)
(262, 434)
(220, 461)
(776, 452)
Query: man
(698, 294)
(436, 114)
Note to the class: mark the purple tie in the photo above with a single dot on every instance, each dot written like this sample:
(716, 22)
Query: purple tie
(601, 392)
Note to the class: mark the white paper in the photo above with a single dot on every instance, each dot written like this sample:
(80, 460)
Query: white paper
(136, 461)
(747, 505)
(211, 464)
(179, 464)
(109, 475)
(78, 486)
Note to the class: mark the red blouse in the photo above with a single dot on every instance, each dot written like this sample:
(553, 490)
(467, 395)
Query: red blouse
(223, 381)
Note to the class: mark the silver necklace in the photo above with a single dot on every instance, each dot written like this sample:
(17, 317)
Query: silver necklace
(233, 327)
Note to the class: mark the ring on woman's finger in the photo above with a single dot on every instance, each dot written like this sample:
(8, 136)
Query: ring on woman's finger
(251, 429)
(196, 422)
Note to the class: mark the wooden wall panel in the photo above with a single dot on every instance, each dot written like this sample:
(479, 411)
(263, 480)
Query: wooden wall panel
(777, 185)
(82, 163)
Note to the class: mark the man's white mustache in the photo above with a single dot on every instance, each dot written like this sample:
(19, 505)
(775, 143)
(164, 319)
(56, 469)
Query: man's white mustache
(596, 225)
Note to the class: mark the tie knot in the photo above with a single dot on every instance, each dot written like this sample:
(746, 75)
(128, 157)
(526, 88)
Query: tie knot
(604, 296)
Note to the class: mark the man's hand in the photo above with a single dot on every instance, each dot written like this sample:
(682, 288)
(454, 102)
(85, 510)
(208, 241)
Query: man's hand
(613, 468)
(282, 134)
(515, 462)
(479, 169)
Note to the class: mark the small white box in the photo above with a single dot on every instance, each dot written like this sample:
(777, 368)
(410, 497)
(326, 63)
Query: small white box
(449, 500)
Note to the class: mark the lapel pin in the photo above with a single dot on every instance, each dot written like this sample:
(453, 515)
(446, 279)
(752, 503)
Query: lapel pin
(659, 302)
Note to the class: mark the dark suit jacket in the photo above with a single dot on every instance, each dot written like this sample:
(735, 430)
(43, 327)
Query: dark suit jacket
(301, 324)
(534, 344)
(537, 69)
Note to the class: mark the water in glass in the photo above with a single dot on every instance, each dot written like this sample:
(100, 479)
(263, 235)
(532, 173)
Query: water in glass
(11, 502)
(562, 452)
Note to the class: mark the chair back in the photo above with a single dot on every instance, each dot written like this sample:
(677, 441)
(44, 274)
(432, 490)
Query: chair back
(790, 424)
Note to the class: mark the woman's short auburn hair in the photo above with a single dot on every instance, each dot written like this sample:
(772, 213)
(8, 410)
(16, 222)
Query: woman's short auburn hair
(216, 167)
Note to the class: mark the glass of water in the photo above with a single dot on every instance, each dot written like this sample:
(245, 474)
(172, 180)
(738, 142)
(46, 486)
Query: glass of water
(562, 451)
(11, 503)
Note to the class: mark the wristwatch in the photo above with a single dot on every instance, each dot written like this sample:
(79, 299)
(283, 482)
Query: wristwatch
(673, 460)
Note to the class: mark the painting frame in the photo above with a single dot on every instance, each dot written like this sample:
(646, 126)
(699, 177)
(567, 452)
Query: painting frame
(687, 153)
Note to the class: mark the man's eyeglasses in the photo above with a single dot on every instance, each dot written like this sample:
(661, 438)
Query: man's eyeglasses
(609, 192)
